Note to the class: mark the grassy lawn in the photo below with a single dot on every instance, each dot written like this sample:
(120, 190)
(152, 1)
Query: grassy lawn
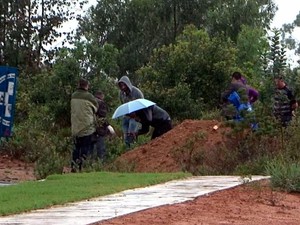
(61, 189)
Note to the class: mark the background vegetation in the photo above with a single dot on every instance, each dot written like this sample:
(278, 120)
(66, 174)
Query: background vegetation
(180, 53)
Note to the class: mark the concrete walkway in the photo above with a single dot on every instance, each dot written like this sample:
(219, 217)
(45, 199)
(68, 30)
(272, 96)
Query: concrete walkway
(107, 207)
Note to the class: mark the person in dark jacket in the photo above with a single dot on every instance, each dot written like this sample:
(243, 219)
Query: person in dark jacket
(284, 102)
(128, 92)
(83, 126)
(102, 123)
(155, 117)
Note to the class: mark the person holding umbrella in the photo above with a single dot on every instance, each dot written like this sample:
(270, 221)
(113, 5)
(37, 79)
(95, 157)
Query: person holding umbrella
(155, 117)
(147, 113)
(128, 92)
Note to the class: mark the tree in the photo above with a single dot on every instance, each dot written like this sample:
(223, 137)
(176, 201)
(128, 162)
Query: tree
(228, 17)
(251, 45)
(189, 75)
(277, 55)
(28, 27)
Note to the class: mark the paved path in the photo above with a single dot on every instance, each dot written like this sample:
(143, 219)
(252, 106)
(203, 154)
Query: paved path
(106, 207)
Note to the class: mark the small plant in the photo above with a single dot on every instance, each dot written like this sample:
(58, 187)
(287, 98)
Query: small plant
(285, 175)
(187, 153)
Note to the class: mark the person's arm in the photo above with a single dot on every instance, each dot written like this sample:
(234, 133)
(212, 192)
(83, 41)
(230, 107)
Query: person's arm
(293, 102)
(144, 129)
(227, 92)
(253, 95)
(94, 103)
(144, 115)
(149, 113)
(102, 109)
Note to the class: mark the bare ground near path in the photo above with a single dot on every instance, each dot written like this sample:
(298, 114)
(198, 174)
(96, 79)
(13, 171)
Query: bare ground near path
(254, 203)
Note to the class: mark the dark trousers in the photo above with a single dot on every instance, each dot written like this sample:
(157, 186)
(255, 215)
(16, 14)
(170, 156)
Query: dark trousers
(163, 127)
(83, 148)
(100, 147)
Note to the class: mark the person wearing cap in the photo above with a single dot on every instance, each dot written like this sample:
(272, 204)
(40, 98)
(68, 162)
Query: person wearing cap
(284, 102)
(83, 127)
(128, 92)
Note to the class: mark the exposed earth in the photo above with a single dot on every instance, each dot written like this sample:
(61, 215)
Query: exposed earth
(254, 203)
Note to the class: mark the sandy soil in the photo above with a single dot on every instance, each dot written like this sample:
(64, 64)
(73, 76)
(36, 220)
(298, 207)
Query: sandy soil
(253, 203)
(13, 170)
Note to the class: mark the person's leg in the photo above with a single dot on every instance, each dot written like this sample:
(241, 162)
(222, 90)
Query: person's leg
(132, 130)
(286, 120)
(125, 125)
(75, 155)
(86, 149)
(163, 128)
(100, 146)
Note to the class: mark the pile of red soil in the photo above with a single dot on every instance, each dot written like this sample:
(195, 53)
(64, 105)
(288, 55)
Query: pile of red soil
(177, 150)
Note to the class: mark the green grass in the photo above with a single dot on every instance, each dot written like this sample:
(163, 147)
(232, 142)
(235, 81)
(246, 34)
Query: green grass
(61, 189)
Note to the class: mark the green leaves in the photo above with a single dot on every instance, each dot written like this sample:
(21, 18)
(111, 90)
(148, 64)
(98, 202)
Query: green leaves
(196, 67)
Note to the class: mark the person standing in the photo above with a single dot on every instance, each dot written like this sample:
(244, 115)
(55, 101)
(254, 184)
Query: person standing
(83, 126)
(128, 92)
(284, 102)
(102, 123)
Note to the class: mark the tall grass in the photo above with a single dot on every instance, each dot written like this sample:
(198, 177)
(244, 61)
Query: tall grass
(284, 175)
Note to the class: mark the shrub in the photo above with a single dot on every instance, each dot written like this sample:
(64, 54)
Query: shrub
(284, 175)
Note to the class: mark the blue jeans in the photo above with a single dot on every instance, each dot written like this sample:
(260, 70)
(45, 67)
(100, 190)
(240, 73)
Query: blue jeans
(129, 127)
(100, 147)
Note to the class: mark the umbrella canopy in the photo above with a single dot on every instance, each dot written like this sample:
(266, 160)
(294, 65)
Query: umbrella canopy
(132, 106)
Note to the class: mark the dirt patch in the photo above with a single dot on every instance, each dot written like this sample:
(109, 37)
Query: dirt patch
(14, 170)
(248, 204)
(178, 150)
(254, 203)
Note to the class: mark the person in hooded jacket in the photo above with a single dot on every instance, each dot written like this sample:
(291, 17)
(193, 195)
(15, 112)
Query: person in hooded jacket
(128, 92)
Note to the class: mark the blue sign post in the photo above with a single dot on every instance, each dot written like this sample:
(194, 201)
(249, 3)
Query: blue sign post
(8, 83)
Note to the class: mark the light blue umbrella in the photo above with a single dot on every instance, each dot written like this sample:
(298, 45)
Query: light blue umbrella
(132, 106)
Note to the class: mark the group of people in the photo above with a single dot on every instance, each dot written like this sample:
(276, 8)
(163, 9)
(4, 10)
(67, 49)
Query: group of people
(284, 100)
(89, 125)
(88, 111)
(140, 121)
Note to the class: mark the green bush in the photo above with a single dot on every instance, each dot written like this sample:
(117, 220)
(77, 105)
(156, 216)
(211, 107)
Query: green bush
(285, 175)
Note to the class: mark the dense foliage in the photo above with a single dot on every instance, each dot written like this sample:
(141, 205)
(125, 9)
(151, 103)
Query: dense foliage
(180, 53)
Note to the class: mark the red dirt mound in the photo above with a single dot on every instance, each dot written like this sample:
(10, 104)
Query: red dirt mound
(173, 151)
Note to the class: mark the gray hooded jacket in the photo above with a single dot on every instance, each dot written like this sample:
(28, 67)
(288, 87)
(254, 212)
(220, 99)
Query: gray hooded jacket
(134, 92)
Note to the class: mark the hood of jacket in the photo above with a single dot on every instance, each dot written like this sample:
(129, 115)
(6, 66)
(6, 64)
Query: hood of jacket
(126, 81)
